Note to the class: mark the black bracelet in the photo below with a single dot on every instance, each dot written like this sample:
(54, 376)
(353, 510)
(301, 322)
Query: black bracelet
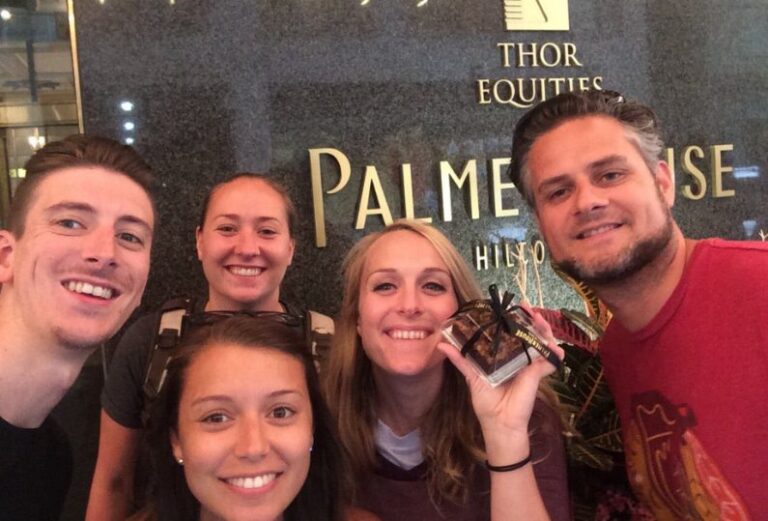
(508, 468)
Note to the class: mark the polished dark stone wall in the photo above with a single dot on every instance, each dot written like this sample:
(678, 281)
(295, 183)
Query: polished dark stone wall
(227, 86)
(220, 87)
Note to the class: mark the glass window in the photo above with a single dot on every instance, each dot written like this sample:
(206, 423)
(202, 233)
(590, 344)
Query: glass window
(38, 100)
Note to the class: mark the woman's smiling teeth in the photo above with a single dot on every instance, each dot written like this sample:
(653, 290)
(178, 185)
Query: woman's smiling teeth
(253, 481)
(87, 288)
(245, 271)
(408, 334)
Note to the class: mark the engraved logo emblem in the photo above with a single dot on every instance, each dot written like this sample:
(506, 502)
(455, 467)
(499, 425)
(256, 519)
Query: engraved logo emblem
(536, 15)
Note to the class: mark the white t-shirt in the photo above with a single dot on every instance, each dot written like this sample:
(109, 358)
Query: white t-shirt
(403, 451)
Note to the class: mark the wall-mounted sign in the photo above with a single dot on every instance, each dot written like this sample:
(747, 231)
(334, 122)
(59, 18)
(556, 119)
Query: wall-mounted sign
(536, 15)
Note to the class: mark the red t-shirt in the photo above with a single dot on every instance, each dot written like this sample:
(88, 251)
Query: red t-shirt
(692, 389)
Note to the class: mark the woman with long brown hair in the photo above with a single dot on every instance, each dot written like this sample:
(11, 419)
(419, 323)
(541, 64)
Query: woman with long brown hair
(240, 431)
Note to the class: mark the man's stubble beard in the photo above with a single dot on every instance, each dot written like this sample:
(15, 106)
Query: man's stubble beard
(627, 263)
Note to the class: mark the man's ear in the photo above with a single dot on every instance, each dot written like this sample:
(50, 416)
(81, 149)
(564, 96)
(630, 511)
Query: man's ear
(7, 248)
(666, 182)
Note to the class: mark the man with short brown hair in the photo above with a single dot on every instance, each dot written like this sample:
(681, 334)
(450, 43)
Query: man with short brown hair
(73, 267)
(686, 352)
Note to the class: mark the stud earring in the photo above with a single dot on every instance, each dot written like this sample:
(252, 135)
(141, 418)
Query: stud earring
(180, 461)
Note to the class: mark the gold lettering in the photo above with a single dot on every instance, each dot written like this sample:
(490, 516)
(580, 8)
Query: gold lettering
(483, 92)
(371, 180)
(558, 83)
(408, 195)
(525, 92)
(543, 88)
(510, 100)
(569, 52)
(718, 170)
(549, 54)
(505, 53)
(481, 259)
(556, 55)
(521, 90)
(519, 254)
(498, 186)
(692, 179)
(522, 53)
(530, 339)
(509, 257)
(317, 187)
(469, 174)
(699, 188)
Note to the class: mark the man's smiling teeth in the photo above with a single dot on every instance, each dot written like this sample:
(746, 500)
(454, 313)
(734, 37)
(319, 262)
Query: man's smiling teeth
(89, 289)
(246, 272)
(599, 229)
(252, 482)
(403, 334)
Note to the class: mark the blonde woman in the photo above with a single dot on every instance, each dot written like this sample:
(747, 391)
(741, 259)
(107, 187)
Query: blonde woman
(422, 432)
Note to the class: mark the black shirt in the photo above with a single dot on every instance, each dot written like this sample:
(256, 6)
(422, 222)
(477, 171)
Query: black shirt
(35, 471)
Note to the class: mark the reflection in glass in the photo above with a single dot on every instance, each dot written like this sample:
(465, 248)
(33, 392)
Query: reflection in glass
(37, 87)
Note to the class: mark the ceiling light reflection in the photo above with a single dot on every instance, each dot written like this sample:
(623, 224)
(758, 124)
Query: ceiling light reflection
(749, 227)
(746, 172)
(36, 142)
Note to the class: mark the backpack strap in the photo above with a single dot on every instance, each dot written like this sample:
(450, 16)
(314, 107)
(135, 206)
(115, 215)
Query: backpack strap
(171, 326)
(169, 329)
(318, 331)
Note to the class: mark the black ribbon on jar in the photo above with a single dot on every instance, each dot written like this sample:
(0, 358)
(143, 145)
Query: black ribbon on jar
(502, 307)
